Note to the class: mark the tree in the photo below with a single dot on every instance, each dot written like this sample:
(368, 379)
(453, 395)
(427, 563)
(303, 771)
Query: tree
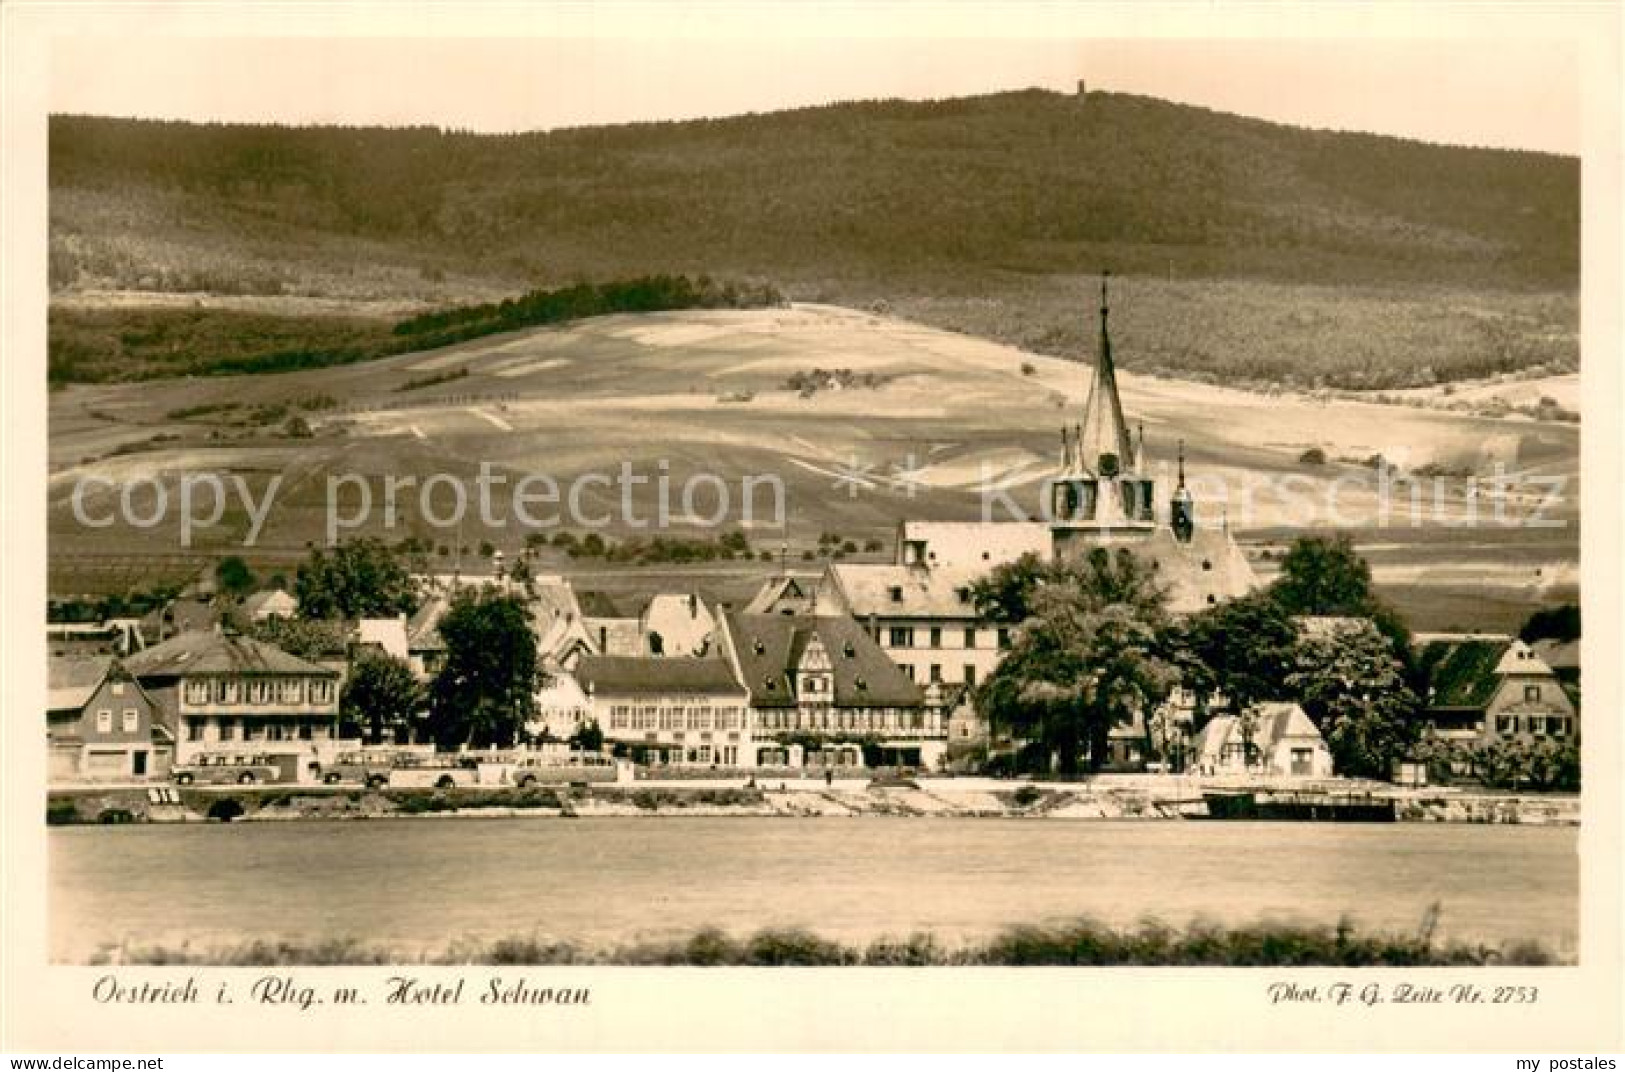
(1242, 648)
(1353, 687)
(589, 738)
(232, 577)
(1089, 655)
(1560, 623)
(358, 579)
(487, 689)
(1323, 575)
(380, 695)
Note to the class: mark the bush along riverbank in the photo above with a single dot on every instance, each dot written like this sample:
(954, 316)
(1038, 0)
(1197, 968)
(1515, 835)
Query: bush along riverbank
(1081, 943)
(798, 798)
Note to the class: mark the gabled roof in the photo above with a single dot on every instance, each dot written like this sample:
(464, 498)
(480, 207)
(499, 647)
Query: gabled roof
(388, 633)
(793, 592)
(769, 647)
(628, 675)
(1272, 723)
(275, 599)
(1465, 672)
(218, 653)
(72, 680)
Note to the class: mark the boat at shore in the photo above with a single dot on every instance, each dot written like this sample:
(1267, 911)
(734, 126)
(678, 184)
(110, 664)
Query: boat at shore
(1298, 808)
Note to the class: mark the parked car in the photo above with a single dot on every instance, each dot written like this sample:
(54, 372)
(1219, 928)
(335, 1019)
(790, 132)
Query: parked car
(226, 769)
(370, 769)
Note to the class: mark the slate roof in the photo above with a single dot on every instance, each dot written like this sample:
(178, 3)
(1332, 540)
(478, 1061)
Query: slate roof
(72, 680)
(906, 591)
(1461, 673)
(628, 675)
(218, 653)
(768, 648)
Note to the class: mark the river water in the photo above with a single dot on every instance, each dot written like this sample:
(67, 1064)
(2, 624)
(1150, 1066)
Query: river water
(416, 885)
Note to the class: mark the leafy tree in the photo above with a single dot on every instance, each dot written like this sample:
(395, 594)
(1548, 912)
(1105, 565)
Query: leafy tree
(232, 577)
(589, 738)
(1323, 575)
(1560, 623)
(1242, 648)
(486, 690)
(1353, 687)
(358, 579)
(380, 695)
(1089, 655)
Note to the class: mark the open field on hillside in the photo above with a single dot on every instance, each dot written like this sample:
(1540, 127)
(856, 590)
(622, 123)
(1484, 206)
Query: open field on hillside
(699, 399)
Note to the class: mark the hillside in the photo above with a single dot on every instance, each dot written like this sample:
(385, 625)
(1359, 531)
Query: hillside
(908, 422)
(979, 214)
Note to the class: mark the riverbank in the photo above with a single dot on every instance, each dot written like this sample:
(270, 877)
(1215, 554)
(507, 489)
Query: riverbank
(1107, 797)
(1081, 943)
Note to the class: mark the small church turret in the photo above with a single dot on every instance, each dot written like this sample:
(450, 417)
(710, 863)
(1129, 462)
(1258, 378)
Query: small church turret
(1182, 510)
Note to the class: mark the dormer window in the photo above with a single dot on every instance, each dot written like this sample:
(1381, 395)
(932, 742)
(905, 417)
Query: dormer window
(769, 684)
(757, 646)
(862, 684)
(848, 650)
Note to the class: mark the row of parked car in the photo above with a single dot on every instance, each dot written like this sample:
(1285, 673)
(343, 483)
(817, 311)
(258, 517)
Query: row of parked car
(376, 768)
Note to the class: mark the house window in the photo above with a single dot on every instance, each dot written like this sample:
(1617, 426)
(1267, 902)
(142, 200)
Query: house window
(1531, 694)
(197, 692)
(275, 731)
(1004, 639)
(290, 691)
(225, 691)
(908, 668)
(118, 688)
(1506, 724)
(129, 719)
(970, 638)
(321, 691)
(305, 731)
(251, 729)
(228, 729)
(902, 636)
(936, 673)
(259, 692)
(970, 674)
(896, 593)
(104, 722)
(936, 636)
(194, 729)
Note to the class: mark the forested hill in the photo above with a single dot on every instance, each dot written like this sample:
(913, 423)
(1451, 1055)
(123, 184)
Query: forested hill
(856, 198)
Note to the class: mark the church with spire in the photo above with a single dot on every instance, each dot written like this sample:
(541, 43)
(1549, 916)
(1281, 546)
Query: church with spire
(1104, 495)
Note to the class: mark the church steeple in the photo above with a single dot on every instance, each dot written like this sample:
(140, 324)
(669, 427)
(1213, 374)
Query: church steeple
(1102, 486)
(1103, 447)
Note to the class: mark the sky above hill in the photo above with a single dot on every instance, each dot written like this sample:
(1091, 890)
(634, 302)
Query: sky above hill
(1508, 94)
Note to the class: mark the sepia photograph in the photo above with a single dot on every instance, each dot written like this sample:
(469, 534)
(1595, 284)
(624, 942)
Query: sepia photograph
(764, 500)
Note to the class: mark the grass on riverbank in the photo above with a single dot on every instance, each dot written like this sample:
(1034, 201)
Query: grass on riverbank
(1082, 943)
